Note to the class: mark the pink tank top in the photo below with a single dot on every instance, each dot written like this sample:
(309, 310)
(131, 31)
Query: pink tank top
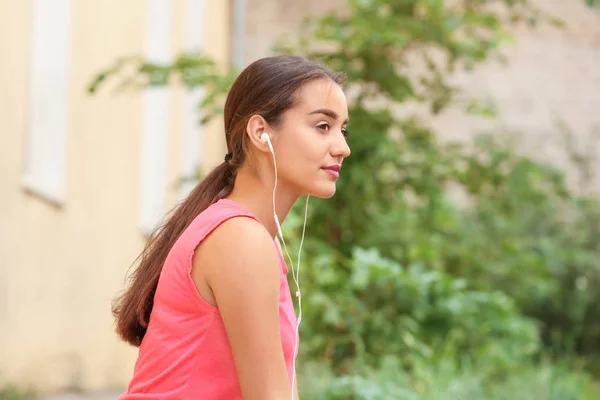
(185, 353)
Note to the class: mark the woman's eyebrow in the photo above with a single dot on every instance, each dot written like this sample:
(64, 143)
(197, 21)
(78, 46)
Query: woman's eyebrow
(330, 113)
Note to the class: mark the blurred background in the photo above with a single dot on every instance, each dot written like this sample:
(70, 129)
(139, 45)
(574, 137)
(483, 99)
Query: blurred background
(460, 258)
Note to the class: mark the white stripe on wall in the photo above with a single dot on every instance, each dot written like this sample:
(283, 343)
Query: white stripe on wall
(46, 148)
(192, 135)
(156, 118)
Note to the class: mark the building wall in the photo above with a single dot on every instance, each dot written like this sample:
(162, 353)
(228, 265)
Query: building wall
(268, 21)
(62, 262)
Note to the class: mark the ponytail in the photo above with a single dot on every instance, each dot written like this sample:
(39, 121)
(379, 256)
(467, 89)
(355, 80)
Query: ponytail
(132, 309)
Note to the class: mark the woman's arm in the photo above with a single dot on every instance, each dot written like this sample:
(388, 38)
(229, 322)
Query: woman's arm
(240, 265)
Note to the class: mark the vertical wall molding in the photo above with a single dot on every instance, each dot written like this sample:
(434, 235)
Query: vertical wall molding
(48, 109)
(156, 119)
(193, 134)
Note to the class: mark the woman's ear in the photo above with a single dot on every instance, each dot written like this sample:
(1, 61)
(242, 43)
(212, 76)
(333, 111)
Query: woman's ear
(254, 129)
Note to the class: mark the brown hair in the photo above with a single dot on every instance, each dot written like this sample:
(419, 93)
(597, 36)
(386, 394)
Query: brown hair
(266, 87)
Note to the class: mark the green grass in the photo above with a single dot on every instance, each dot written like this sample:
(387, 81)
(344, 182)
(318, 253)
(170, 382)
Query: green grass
(445, 381)
(12, 392)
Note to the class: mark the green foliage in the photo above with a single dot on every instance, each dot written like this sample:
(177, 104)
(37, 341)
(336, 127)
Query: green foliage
(370, 307)
(438, 269)
(192, 69)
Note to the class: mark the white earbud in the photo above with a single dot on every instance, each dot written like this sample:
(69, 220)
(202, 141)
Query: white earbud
(295, 272)
(265, 138)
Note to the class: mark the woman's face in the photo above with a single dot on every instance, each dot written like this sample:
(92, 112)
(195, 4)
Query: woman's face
(310, 143)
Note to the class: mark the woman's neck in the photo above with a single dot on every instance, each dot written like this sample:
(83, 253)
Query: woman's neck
(256, 195)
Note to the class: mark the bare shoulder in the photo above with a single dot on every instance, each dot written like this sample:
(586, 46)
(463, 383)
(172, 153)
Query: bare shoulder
(238, 240)
(238, 252)
(242, 231)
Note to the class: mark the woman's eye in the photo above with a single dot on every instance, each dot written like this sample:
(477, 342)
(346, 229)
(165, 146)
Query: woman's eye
(326, 127)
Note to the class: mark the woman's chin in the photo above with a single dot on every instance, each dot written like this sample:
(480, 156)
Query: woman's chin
(324, 191)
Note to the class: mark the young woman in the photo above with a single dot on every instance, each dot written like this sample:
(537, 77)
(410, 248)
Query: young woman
(209, 304)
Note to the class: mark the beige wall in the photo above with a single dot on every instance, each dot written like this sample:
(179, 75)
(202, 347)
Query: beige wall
(61, 266)
(267, 21)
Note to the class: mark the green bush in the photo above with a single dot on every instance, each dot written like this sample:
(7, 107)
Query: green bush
(370, 307)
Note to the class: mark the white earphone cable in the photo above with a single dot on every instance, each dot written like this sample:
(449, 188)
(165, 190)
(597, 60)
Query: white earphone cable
(295, 271)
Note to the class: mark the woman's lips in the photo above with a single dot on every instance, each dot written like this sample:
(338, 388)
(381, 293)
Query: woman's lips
(333, 171)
